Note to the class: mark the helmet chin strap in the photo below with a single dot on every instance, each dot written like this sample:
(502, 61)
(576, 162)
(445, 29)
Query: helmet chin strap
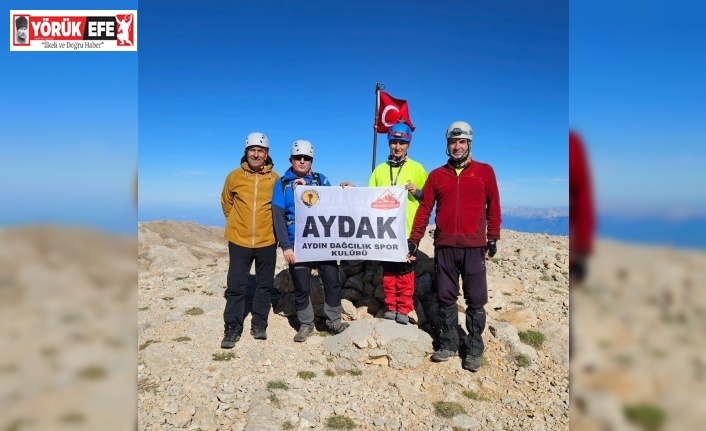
(461, 157)
(459, 162)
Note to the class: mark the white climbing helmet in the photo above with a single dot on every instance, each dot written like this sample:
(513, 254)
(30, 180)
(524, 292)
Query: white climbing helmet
(459, 129)
(301, 147)
(257, 139)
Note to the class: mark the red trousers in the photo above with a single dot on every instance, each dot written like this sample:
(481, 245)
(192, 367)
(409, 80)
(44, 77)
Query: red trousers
(399, 290)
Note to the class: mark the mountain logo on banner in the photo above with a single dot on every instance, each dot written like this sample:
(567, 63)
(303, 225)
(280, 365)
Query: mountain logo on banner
(386, 201)
(310, 198)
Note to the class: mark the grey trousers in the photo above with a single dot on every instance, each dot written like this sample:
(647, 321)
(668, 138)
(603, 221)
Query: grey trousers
(301, 278)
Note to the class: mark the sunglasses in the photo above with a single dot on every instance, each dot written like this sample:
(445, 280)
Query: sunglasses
(306, 158)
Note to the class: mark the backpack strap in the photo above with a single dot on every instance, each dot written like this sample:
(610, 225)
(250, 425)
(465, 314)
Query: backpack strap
(317, 180)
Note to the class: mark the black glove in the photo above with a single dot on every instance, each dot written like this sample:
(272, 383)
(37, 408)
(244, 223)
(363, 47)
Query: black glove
(492, 248)
(412, 247)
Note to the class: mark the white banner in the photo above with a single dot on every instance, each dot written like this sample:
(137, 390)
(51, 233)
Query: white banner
(355, 223)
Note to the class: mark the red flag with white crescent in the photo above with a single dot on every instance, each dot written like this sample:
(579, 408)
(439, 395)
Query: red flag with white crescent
(390, 111)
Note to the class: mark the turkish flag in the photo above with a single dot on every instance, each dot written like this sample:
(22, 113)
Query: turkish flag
(390, 111)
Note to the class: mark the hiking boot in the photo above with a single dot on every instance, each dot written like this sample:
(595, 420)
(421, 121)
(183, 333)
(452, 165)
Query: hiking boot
(258, 333)
(442, 355)
(232, 335)
(472, 363)
(303, 334)
(389, 315)
(338, 326)
(402, 318)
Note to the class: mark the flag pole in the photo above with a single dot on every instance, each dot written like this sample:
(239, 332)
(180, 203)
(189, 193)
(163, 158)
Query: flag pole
(375, 122)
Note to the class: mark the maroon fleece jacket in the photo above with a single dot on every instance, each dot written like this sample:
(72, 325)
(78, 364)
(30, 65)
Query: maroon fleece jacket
(467, 206)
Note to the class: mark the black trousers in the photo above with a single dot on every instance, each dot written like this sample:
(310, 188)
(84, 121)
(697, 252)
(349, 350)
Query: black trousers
(469, 263)
(241, 259)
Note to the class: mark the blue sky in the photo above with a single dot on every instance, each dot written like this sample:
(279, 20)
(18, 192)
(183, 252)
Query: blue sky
(69, 133)
(637, 96)
(212, 72)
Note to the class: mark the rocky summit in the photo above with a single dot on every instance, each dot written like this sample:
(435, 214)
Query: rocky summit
(376, 375)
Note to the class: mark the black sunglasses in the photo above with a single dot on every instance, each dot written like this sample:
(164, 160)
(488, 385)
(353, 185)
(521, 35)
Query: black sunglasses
(306, 158)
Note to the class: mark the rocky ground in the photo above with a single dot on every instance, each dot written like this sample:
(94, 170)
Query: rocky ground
(68, 330)
(640, 346)
(68, 318)
(377, 374)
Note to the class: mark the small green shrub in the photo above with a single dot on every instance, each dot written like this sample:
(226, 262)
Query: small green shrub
(181, 278)
(168, 298)
(194, 311)
(329, 372)
(223, 356)
(274, 400)
(355, 372)
(182, 339)
(286, 425)
(306, 375)
(474, 396)
(340, 422)
(448, 409)
(533, 338)
(649, 417)
(144, 345)
(522, 360)
(470, 394)
(92, 372)
(144, 308)
(540, 299)
(518, 302)
(277, 384)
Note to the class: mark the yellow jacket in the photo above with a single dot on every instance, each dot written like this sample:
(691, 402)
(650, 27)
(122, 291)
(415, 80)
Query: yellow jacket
(247, 204)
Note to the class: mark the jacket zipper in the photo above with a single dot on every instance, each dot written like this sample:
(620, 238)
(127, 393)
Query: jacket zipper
(458, 207)
(254, 209)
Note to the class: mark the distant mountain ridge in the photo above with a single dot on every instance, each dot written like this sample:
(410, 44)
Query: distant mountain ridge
(529, 212)
(554, 221)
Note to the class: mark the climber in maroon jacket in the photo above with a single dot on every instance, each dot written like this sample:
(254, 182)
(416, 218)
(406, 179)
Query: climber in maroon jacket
(582, 221)
(467, 227)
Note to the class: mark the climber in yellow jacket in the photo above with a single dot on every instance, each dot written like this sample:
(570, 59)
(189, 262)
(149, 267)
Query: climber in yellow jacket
(247, 205)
